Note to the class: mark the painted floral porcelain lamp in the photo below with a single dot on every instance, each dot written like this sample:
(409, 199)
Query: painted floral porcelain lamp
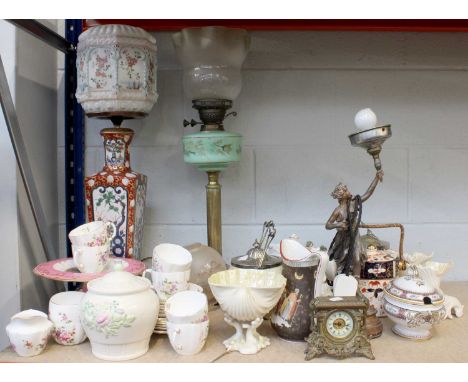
(116, 67)
(212, 58)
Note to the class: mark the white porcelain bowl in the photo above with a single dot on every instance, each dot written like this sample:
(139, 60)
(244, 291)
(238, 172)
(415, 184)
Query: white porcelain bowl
(246, 296)
(188, 307)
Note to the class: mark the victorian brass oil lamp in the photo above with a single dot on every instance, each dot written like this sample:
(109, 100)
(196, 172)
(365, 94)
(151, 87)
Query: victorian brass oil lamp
(212, 58)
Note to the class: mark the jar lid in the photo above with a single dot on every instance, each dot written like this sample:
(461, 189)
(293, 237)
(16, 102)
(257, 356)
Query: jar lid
(250, 261)
(413, 290)
(118, 282)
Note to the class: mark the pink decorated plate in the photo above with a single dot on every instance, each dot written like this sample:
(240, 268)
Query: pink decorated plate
(65, 269)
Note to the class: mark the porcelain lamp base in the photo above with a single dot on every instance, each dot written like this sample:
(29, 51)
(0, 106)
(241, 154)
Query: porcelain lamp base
(249, 343)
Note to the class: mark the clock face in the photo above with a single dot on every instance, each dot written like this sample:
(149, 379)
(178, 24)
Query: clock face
(339, 324)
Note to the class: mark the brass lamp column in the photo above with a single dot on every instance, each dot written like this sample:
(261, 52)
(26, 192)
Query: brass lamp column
(213, 211)
(212, 58)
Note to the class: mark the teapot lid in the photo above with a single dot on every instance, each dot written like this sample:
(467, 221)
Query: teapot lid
(413, 290)
(118, 282)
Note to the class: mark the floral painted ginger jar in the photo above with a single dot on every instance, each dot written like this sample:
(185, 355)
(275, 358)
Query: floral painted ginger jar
(212, 150)
(116, 66)
(118, 314)
(414, 306)
(117, 194)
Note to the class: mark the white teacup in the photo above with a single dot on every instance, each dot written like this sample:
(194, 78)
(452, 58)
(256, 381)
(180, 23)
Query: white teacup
(188, 307)
(187, 339)
(92, 234)
(171, 258)
(91, 259)
(167, 284)
(64, 312)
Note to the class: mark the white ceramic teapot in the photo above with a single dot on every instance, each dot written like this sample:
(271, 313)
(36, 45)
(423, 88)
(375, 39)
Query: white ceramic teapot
(29, 332)
(119, 314)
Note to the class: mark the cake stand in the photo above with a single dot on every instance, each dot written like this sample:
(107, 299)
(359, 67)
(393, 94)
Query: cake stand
(66, 271)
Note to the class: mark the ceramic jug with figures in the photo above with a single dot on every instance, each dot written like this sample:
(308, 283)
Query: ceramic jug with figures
(304, 269)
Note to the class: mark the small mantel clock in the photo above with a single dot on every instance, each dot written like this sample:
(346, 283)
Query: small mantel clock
(338, 327)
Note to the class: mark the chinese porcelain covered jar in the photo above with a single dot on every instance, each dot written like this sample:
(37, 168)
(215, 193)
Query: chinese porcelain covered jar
(119, 314)
(414, 306)
(116, 67)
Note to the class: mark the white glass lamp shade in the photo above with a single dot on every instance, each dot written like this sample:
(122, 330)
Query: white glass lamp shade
(212, 58)
(116, 67)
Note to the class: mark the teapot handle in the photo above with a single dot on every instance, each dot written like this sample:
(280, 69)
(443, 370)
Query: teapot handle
(401, 261)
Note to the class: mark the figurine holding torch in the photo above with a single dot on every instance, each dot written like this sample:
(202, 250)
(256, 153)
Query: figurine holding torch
(345, 249)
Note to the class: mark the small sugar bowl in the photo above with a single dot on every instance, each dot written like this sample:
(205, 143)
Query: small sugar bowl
(29, 332)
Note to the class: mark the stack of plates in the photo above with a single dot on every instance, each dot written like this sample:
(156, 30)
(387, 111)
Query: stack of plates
(160, 327)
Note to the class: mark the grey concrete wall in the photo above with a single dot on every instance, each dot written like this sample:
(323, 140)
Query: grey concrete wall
(9, 271)
(32, 68)
(300, 93)
(36, 103)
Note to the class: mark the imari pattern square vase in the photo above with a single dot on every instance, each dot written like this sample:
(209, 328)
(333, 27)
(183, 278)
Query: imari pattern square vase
(117, 194)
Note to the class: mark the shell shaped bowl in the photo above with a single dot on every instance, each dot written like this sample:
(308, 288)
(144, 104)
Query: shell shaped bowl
(246, 295)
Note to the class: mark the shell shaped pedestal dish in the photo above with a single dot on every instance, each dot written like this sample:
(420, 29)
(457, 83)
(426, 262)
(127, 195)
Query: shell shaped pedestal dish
(116, 67)
(119, 314)
(245, 297)
(414, 307)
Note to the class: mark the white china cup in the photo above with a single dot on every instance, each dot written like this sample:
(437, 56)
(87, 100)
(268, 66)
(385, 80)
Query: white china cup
(92, 234)
(64, 312)
(188, 339)
(91, 259)
(167, 284)
(188, 307)
(171, 258)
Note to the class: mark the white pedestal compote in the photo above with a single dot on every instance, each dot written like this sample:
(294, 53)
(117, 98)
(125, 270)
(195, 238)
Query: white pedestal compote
(245, 296)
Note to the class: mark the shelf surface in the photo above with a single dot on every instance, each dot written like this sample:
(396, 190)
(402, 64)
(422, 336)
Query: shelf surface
(449, 344)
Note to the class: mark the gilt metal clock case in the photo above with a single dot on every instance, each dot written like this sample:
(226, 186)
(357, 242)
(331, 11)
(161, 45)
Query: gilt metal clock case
(338, 327)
